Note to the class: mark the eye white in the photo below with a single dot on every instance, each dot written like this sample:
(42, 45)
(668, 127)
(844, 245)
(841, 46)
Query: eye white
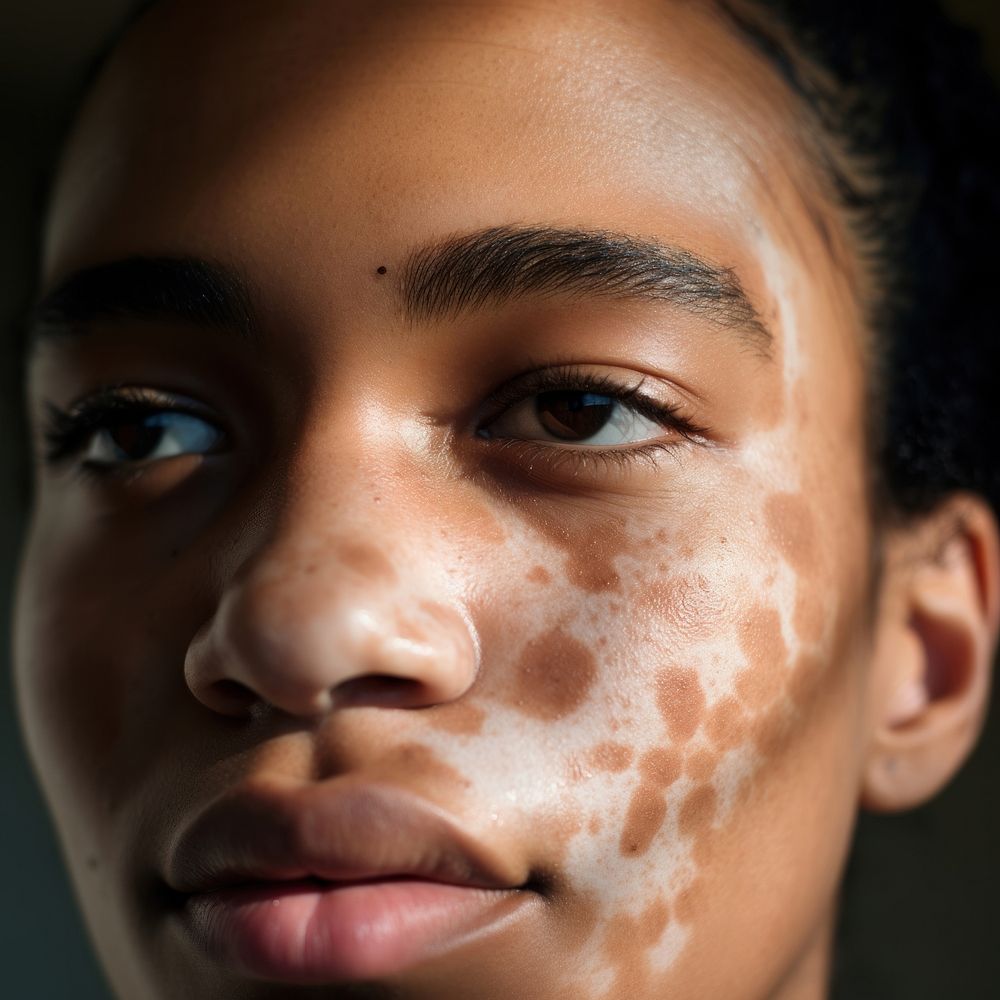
(625, 425)
(182, 434)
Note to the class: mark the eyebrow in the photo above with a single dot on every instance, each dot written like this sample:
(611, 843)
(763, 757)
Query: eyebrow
(441, 280)
(187, 289)
(496, 265)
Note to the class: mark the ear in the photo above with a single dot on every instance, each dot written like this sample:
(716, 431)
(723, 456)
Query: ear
(935, 639)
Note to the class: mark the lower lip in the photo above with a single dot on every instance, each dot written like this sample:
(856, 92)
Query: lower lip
(308, 932)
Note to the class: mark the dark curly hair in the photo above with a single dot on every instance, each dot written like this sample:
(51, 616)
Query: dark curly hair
(907, 123)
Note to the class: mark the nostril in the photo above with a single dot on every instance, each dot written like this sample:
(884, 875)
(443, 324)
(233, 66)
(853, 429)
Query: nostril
(380, 689)
(232, 697)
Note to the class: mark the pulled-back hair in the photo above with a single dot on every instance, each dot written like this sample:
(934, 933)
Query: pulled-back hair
(897, 96)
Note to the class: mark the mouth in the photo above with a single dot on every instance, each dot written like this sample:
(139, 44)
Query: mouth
(336, 882)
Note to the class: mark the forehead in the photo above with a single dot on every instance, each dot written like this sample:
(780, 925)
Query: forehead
(423, 117)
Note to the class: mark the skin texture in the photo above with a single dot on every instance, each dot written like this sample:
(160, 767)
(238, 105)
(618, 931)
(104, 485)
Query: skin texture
(652, 684)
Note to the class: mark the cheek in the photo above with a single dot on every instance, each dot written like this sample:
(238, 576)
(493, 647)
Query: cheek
(99, 661)
(638, 725)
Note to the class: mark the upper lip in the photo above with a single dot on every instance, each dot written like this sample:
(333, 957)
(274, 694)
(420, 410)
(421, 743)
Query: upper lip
(337, 830)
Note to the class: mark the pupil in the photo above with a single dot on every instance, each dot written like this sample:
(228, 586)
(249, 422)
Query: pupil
(136, 440)
(573, 415)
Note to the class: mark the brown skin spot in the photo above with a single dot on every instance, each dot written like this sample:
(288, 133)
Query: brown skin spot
(417, 766)
(661, 767)
(681, 701)
(700, 764)
(764, 648)
(610, 757)
(646, 812)
(553, 676)
(539, 574)
(697, 810)
(595, 825)
(590, 552)
(775, 731)
(791, 529)
(368, 561)
(626, 941)
(726, 725)
(463, 718)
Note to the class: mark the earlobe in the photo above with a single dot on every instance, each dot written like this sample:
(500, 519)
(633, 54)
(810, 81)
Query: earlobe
(935, 642)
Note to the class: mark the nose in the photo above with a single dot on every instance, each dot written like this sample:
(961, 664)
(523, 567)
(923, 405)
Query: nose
(308, 626)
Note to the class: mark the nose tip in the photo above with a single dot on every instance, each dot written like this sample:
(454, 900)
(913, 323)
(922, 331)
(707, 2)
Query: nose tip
(306, 647)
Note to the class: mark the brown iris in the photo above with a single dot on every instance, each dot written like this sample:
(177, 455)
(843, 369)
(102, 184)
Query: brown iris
(137, 438)
(573, 415)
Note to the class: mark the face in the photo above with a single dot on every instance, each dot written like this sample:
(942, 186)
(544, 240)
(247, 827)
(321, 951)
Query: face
(476, 542)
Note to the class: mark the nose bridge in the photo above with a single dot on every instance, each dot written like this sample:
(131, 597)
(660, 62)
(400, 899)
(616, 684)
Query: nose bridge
(336, 605)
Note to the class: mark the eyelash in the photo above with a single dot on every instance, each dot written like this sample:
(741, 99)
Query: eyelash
(569, 378)
(67, 431)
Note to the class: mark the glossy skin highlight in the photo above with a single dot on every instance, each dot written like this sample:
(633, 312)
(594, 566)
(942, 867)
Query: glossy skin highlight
(641, 681)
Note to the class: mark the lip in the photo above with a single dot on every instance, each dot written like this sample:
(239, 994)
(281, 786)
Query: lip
(335, 881)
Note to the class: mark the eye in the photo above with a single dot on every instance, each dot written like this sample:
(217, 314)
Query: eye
(576, 410)
(151, 437)
(122, 427)
(578, 417)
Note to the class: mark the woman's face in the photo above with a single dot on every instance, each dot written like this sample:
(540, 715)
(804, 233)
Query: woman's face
(481, 530)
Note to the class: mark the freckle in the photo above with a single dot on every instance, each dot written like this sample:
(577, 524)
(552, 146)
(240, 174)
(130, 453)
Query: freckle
(725, 726)
(791, 530)
(594, 826)
(660, 767)
(646, 813)
(611, 757)
(553, 677)
(700, 765)
(697, 810)
(539, 574)
(681, 701)
(461, 717)
(764, 648)
(368, 561)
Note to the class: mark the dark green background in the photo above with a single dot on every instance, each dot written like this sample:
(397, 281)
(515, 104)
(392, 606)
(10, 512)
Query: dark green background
(920, 913)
